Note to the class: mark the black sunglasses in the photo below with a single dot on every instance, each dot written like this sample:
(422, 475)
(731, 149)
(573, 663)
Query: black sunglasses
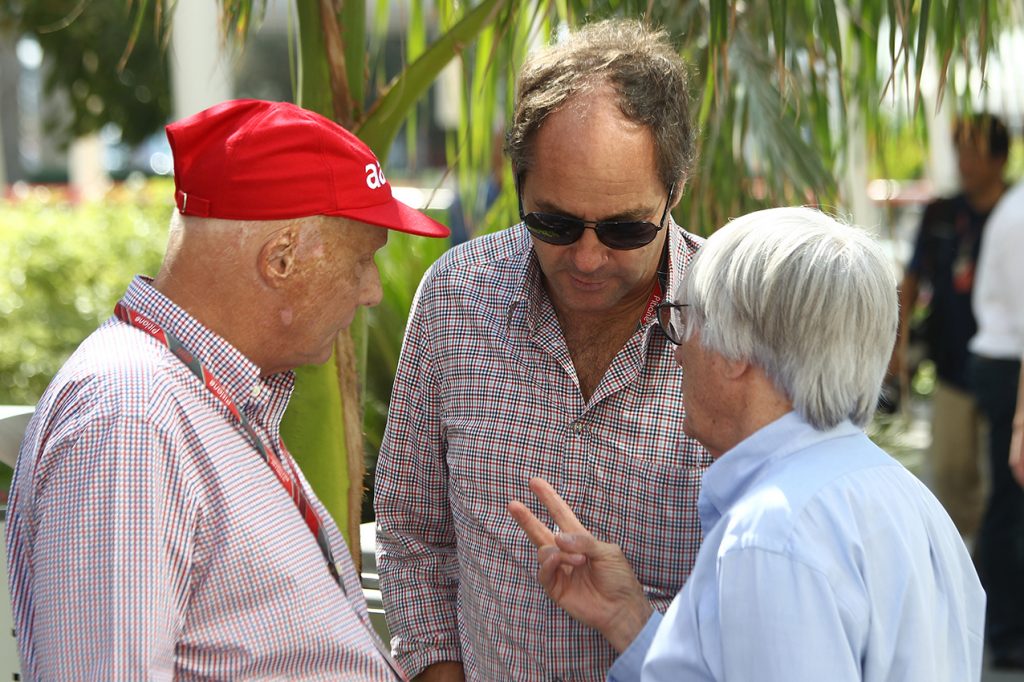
(561, 230)
(671, 320)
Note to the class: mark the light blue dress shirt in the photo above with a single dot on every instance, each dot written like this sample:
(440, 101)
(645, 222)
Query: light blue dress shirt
(823, 559)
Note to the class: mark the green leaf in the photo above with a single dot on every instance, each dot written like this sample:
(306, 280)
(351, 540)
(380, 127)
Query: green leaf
(353, 19)
(922, 47)
(390, 110)
(315, 435)
(778, 16)
(833, 41)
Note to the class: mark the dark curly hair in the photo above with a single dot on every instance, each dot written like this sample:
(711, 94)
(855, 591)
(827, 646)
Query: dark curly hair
(645, 72)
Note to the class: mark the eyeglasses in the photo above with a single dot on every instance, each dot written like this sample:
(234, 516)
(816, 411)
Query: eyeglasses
(561, 230)
(672, 320)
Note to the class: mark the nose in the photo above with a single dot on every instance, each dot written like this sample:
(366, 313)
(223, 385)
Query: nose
(588, 253)
(371, 289)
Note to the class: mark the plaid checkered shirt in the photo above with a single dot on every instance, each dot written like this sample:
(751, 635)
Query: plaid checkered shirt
(485, 398)
(148, 539)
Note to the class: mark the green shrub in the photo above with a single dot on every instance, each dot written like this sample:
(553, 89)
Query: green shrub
(66, 266)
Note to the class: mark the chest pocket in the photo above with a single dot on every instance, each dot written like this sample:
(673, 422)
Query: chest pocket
(652, 515)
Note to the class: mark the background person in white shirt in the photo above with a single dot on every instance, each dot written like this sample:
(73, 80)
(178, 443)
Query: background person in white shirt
(823, 558)
(997, 348)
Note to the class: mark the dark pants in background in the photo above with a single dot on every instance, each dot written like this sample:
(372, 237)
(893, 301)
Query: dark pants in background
(1000, 551)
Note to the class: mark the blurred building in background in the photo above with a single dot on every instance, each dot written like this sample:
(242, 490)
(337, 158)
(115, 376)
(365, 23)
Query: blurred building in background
(204, 71)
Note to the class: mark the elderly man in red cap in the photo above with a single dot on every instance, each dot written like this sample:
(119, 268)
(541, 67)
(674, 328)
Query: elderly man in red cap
(158, 527)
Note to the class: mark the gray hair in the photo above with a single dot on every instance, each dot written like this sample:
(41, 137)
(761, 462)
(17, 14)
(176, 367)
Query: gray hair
(807, 299)
(640, 64)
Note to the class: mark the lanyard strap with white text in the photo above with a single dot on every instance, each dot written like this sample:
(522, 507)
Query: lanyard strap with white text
(289, 482)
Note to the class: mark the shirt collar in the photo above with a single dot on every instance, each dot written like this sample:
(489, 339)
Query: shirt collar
(239, 375)
(533, 295)
(730, 476)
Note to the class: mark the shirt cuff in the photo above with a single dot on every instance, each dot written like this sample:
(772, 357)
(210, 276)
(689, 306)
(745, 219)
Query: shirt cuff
(415, 662)
(627, 667)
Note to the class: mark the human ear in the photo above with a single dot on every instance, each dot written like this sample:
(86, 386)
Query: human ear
(677, 192)
(733, 369)
(276, 261)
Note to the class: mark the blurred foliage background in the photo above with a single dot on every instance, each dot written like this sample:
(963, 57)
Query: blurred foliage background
(66, 265)
(110, 71)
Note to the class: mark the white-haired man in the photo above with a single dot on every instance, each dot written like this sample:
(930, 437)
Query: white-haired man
(823, 558)
(158, 527)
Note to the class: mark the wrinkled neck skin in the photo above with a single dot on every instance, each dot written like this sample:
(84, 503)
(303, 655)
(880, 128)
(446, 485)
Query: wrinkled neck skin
(751, 401)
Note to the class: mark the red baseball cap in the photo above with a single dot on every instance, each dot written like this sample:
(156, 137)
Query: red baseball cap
(256, 160)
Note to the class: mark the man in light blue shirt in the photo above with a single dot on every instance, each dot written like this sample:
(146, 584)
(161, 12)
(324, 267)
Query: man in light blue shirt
(823, 558)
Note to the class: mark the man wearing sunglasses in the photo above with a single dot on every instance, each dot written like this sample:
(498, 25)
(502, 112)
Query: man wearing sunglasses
(535, 352)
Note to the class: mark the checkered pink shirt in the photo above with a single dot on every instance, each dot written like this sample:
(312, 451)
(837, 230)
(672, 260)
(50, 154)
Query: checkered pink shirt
(148, 540)
(485, 398)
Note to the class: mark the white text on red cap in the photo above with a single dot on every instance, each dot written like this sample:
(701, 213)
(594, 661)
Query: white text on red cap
(374, 176)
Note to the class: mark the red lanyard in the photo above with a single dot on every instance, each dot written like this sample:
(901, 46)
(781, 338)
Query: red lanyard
(652, 303)
(289, 482)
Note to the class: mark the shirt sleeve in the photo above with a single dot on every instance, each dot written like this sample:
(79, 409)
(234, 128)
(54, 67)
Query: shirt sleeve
(1009, 274)
(997, 301)
(627, 667)
(415, 534)
(780, 620)
(104, 549)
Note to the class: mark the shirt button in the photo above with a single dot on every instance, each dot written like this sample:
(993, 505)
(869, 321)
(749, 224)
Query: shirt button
(255, 392)
(579, 427)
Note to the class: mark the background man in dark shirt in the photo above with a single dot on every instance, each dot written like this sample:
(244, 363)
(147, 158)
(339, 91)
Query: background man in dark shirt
(943, 262)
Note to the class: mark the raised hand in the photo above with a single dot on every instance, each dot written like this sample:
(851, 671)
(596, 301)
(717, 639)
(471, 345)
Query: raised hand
(590, 579)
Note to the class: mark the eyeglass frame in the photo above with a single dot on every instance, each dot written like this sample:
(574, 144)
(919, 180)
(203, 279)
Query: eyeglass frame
(672, 307)
(594, 225)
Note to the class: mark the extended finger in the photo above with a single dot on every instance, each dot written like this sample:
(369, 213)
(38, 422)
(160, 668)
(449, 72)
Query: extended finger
(556, 506)
(539, 534)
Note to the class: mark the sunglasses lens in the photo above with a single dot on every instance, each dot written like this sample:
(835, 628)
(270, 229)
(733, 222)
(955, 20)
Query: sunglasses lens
(562, 230)
(553, 229)
(626, 236)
